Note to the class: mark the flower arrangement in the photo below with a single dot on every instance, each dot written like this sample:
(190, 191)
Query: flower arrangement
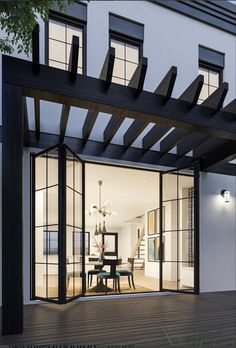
(100, 247)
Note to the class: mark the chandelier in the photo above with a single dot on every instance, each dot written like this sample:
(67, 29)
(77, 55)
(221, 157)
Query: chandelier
(101, 211)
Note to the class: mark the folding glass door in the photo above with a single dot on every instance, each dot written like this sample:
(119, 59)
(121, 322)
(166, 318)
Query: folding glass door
(57, 225)
(178, 232)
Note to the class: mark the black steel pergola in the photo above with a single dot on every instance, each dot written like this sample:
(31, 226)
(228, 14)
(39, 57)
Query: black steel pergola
(209, 130)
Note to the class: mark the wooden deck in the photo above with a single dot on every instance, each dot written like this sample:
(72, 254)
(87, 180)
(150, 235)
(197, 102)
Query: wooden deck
(157, 321)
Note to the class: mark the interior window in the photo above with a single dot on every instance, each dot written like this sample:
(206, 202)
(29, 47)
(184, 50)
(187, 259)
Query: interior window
(127, 56)
(59, 44)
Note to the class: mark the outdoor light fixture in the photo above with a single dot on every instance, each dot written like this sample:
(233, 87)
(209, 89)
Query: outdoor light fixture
(102, 211)
(226, 195)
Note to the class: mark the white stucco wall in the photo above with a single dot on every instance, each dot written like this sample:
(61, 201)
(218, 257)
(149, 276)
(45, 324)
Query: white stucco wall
(217, 234)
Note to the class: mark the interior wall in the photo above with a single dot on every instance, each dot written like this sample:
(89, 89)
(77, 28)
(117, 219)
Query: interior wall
(217, 234)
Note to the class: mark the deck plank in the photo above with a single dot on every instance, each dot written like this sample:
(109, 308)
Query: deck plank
(208, 318)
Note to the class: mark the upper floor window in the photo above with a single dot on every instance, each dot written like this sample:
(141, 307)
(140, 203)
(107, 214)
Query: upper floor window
(60, 33)
(211, 65)
(127, 57)
(212, 80)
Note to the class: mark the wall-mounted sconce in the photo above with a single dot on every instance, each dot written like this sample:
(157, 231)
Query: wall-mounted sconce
(226, 195)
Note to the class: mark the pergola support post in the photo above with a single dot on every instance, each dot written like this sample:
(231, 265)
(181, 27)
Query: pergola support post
(12, 224)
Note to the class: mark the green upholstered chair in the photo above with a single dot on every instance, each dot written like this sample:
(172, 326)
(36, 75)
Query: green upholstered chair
(93, 272)
(108, 275)
(129, 272)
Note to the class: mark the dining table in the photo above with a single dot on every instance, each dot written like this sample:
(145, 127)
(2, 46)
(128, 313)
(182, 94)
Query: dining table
(113, 263)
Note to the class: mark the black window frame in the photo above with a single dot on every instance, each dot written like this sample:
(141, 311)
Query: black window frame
(127, 40)
(211, 67)
(70, 21)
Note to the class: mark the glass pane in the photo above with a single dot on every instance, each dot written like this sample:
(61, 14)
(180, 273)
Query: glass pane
(186, 247)
(186, 214)
(76, 32)
(169, 186)
(57, 51)
(78, 210)
(56, 30)
(151, 223)
(40, 208)
(204, 92)
(132, 53)
(130, 69)
(212, 89)
(80, 71)
(186, 277)
(70, 173)
(69, 206)
(39, 245)
(204, 72)
(40, 280)
(170, 241)
(50, 244)
(68, 52)
(170, 275)
(78, 279)
(119, 81)
(53, 281)
(151, 249)
(119, 68)
(52, 206)
(186, 184)
(78, 176)
(57, 65)
(52, 171)
(119, 48)
(214, 78)
(80, 59)
(170, 210)
(40, 172)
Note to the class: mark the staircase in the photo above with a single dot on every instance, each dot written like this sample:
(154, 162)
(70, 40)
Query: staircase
(139, 252)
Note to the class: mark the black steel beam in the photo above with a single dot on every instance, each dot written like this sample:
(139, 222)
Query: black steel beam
(190, 142)
(224, 152)
(64, 120)
(88, 92)
(26, 120)
(133, 132)
(74, 57)
(165, 87)
(224, 169)
(138, 78)
(172, 139)
(12, 198)
(89, 123)
(107, 69)
(230, 110)
(136, 83)
(215, 100)
(37, 117)
(208, 145)
(192, 92)
(35, 49)
(153, 136)
(111, 128)
(106, 77)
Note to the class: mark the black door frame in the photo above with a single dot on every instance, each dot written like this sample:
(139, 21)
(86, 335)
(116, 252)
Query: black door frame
(196, 210)
(62, 159)
(161, 173)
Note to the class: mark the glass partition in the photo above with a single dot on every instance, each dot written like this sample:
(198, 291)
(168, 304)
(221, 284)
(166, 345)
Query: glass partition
(178, 231)
(57, 225)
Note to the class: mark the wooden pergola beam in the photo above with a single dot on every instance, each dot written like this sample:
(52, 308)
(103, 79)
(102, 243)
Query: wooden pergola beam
(37, 117)
(192, 92)
(172, 139)
(223, 152)
(215, 100)
(64, 120)
(133, 132)
(153, 136)
(35, 49)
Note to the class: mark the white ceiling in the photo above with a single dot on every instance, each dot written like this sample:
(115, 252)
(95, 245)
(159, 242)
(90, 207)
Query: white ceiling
(132, 192)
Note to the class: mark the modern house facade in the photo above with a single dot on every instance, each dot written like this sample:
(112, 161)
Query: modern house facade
(153, 131)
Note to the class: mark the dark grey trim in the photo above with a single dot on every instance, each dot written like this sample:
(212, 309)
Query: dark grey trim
(219, 14)
(76, 11)
(212, 57)
(127, 27)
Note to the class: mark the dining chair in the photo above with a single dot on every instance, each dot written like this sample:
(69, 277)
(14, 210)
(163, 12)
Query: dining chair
(113, 274)
(129, 272)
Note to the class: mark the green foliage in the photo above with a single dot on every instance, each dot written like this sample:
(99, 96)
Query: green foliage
(18, 18)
